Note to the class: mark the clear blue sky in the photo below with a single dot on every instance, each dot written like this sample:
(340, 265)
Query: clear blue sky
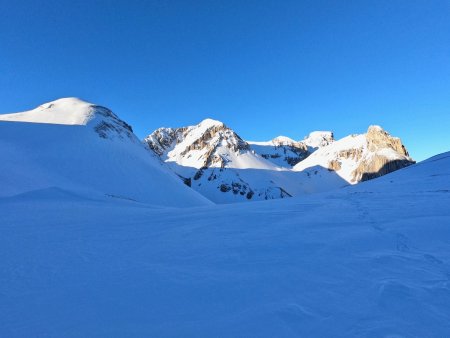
(265, 68)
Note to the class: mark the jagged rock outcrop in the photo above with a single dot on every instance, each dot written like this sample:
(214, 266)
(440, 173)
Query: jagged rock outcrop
(378, 139)
(109, 125)
(388, 155)
(357, 158)
(209, 142)
(162, 139)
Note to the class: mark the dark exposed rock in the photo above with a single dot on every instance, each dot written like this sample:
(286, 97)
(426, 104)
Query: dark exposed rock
(110, 125)
(199, 173)
(186, 180)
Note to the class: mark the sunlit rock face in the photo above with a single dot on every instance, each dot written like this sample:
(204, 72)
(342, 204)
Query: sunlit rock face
(357, 158)
(213, 159)
(388, 154)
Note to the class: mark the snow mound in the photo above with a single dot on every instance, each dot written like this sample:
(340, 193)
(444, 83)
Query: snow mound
(71, 111)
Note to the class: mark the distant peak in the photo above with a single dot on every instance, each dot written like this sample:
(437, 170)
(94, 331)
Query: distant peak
(66, 101)
(318, 139)
(320, 133)
(210, 123)
(375, 128)
(283, 140)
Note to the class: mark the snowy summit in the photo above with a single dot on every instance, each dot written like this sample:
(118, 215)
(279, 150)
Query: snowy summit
(70, 110)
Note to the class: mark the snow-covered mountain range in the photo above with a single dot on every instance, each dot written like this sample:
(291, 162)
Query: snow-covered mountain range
(70, 143)
(214, 160)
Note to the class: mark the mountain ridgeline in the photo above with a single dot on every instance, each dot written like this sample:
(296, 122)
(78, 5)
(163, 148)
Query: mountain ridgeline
(214, 160)
(85, 148)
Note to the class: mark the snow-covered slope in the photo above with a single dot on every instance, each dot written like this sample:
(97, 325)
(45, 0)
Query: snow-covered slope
(371, 260)
(215, 161)
(358, 158)
(75, 145)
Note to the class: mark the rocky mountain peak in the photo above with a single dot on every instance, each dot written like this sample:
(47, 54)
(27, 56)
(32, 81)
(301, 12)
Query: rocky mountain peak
(378, 138)
(357, 158)
(207, 123)
(208, 143)
(215, 143)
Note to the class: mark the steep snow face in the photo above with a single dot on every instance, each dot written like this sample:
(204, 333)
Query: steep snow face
(358, 158)
(370, 260)
(91, 152)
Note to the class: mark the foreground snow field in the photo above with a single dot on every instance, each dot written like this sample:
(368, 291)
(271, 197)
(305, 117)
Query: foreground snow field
(371, 260)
